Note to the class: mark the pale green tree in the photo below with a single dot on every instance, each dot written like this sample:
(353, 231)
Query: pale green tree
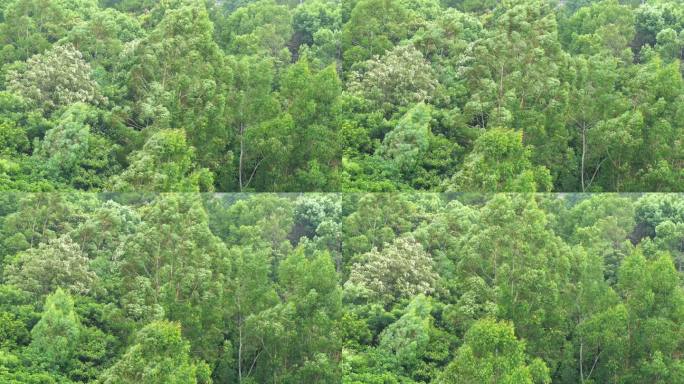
(173, 266)
(408, 339)
(400, 270)
(399, 78)
(55, 79)
(72, 153)
(57, 263)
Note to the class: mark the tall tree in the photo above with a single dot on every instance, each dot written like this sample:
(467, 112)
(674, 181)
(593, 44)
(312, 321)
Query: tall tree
(514, 79)
(172, 268)
(311, 99)
(251, 105)
(313, 301)
(177, 79)
(521, 256)
(654, 299)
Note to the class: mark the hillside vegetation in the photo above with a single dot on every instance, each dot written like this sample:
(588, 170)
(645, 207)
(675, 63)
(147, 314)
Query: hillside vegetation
(348, 95)
(351, 289)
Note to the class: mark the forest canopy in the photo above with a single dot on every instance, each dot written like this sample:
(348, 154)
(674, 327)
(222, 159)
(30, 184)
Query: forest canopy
(341, 288)
(155, 154)
(341, 95)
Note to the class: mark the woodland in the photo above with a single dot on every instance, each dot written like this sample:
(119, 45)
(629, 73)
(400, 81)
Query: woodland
(341, 288)
(341, 95)
(341, 192)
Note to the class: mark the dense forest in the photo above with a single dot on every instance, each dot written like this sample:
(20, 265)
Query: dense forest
(135, 135)
(341, 95)
(341, 288)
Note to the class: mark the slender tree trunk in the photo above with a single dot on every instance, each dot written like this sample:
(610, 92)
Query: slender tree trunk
(581, 363)
(242, 151)
(239, 324)
(584, 150)
(501, 92)
(239, 353)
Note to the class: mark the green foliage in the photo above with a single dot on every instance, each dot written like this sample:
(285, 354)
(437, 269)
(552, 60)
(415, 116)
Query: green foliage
(325, 288)
(500, 162)
(177, 77)
(158, 355)
(315, 17)
(313, 307)
(130, 98)
(165, 163)
(30, 26)
(102, 38)
(653, 297)
(53, 337)
(311, 100)
(258, 27)
(309, 95)
(491, 353)
(604, 25)
(374, 27)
